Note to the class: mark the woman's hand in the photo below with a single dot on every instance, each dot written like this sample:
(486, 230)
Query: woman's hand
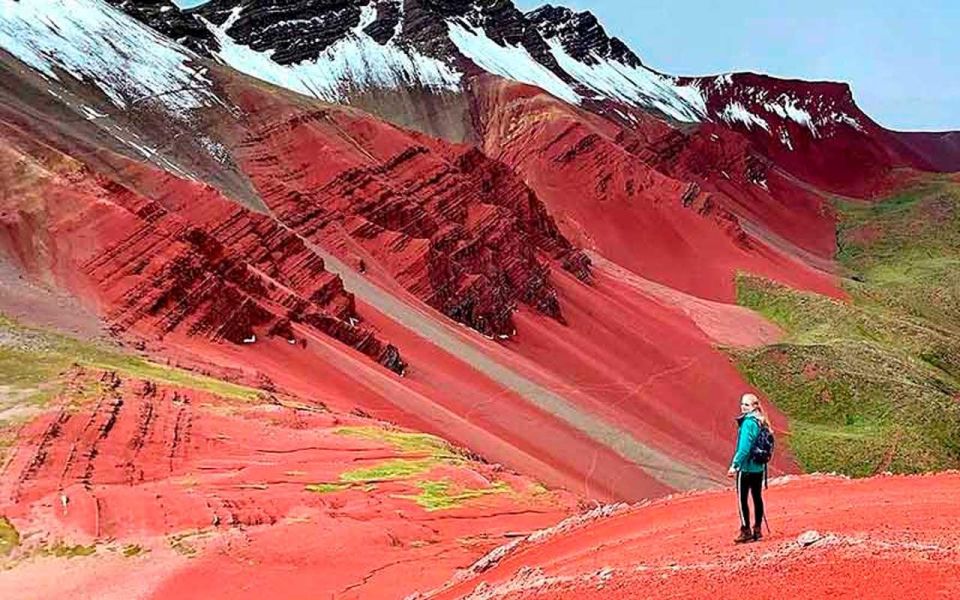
(731, 472)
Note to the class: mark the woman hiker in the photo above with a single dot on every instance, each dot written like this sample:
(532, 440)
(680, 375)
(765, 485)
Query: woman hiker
(749, 473)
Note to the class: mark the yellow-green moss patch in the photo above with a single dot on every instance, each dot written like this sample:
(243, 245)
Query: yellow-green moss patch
(9, 536)
(406, 442)
(443, 495)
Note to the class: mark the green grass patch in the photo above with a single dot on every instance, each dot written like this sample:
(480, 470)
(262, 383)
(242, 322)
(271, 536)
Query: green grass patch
(64, 550)
(443, 495)
(9, 536)
(865, 390)
(326, 488)
(400, 468)
(181, 542)
(137, 367)
(421, 453)
(405, 442)
(872, 384)
(810, 318)
(33, 359)
(903, 253)
(131, 550)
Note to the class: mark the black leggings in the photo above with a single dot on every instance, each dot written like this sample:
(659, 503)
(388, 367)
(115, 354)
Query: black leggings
(752, 484)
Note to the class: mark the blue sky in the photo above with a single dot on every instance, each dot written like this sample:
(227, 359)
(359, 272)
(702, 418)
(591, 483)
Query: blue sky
(902, 58)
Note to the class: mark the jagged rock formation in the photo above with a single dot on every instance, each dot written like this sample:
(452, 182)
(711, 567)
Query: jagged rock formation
(186, 261)
(455, 228)
(293, 32)
(167, 18)
(581, 34)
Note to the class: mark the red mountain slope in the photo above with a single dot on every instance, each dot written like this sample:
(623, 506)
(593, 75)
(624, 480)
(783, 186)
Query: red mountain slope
(816, 131)
(189, 260)
(158, 245)
(535, 261)
(602, 183)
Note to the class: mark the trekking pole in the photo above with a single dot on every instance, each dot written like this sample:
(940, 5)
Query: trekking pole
(766, 486)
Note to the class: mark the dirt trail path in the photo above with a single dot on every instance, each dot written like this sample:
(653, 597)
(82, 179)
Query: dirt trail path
(884, 537)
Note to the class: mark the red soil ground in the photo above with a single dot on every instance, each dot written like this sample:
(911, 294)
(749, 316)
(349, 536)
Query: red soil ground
(886, 537)
(638, 361)
(213, 493)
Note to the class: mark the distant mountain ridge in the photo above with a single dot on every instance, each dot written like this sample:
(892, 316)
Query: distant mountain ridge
(340, 51)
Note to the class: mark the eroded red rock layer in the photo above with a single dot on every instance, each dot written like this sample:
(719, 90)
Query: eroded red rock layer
(457, 229)
(119, 234)
(160, 491)
(647, 198)
(187, 258)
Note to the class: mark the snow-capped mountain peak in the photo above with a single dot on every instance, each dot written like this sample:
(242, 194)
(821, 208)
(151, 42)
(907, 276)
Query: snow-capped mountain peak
(334, 51)
(350, 49)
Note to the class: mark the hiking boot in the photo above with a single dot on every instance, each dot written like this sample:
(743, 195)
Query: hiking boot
(757, 533)
(745, 536)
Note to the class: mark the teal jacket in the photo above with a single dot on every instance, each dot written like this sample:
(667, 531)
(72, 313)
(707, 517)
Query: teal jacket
(749, 428)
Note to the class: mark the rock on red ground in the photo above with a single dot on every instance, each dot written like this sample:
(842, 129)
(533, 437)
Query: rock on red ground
(883, 537)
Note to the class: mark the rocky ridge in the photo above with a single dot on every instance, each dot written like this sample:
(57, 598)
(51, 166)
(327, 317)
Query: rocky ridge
(365, 45)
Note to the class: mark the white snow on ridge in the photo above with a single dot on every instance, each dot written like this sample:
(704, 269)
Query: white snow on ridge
(355, 61)
(735, 111)
(511, 62)
(785, 138)
(92, 41)
(637, 86)
(786, 107)
(846, 119)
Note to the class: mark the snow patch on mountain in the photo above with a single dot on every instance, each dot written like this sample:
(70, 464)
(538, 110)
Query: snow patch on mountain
(512, 62)
(785, 138)
(735, 111)
(637, 86)
(786, 107)
(91, 41)
(356, 61)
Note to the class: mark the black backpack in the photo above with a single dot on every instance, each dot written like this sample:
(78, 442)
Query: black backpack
(762, 450)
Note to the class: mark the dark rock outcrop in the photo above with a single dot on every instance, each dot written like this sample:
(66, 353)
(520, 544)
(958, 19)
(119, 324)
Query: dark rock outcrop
(166, 17)
(295, 31)
(387, 21)
(581, 34)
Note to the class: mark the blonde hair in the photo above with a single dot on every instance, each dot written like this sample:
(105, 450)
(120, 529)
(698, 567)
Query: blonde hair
(757, 407)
